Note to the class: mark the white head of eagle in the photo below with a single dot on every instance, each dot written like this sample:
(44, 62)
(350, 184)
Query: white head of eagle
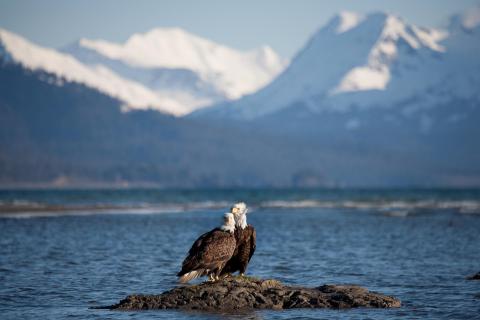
(239, 211)
(228, 222)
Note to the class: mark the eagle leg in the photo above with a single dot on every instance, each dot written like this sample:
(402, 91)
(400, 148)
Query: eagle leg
(217, 273)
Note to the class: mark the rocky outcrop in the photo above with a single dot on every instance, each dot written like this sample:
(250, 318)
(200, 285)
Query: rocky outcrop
(242, 293)
(475, 276)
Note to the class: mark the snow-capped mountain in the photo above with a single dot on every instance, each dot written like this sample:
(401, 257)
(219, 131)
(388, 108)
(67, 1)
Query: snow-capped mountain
(31, 56)
(192, 70)
(370, 101)
(168, 70)
(361, 62)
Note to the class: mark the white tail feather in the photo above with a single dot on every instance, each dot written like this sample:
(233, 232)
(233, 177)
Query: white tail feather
(190, 276)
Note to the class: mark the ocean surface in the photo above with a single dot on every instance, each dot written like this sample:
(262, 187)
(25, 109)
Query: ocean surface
(62, 252)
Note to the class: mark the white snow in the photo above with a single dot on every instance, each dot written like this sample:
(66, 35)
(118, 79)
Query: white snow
(375, 75)
(431, 38)
(348, 20)
(234, 72)
(364, 78)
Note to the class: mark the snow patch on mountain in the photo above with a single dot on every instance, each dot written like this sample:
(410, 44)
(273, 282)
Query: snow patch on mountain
(348, 20)
(375, 75)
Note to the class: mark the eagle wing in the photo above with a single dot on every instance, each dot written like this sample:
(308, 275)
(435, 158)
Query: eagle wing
(246, 245)
(218, 248)
(199, 242)
(209, 250)
(253, 242)
(191, 258)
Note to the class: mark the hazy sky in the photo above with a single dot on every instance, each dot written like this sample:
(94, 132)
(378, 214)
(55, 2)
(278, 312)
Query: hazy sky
(284, 25)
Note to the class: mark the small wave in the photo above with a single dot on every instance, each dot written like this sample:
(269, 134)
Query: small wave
(397, 208)
(397, 213)
(394, 207)
(25, 209)
(297, 204)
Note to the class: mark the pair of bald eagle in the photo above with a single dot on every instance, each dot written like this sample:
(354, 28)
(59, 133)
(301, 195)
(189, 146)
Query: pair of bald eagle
(223, 250)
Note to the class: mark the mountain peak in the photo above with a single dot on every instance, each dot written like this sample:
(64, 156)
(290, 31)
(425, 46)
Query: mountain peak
(387, 26)
(346, 20)
(468, 21)
(471, 18)
(349, 20)
(267, 57)
(167, 30)
(162, 35)
(389, 32)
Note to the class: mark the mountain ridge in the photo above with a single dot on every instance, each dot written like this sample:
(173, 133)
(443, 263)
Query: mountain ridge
(225, 73)
(164, 86)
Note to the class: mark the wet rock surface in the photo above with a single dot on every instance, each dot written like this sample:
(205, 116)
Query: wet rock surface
(476, 276)
(249, 293)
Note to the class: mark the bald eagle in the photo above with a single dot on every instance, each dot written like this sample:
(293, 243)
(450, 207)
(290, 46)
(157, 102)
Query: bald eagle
(246, 238)
(210, 252)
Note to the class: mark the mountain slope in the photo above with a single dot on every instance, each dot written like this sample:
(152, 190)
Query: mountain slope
(72, 135)
(75, 136)
(363, 62)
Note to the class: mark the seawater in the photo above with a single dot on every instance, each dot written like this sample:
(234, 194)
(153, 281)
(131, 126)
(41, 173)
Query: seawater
(62, 252)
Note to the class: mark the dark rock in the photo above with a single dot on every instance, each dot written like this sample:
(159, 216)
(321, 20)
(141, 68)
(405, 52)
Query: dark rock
(242, 293)
(475, 276)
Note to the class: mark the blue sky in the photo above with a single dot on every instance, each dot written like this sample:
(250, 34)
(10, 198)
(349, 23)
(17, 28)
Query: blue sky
(284, 25)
